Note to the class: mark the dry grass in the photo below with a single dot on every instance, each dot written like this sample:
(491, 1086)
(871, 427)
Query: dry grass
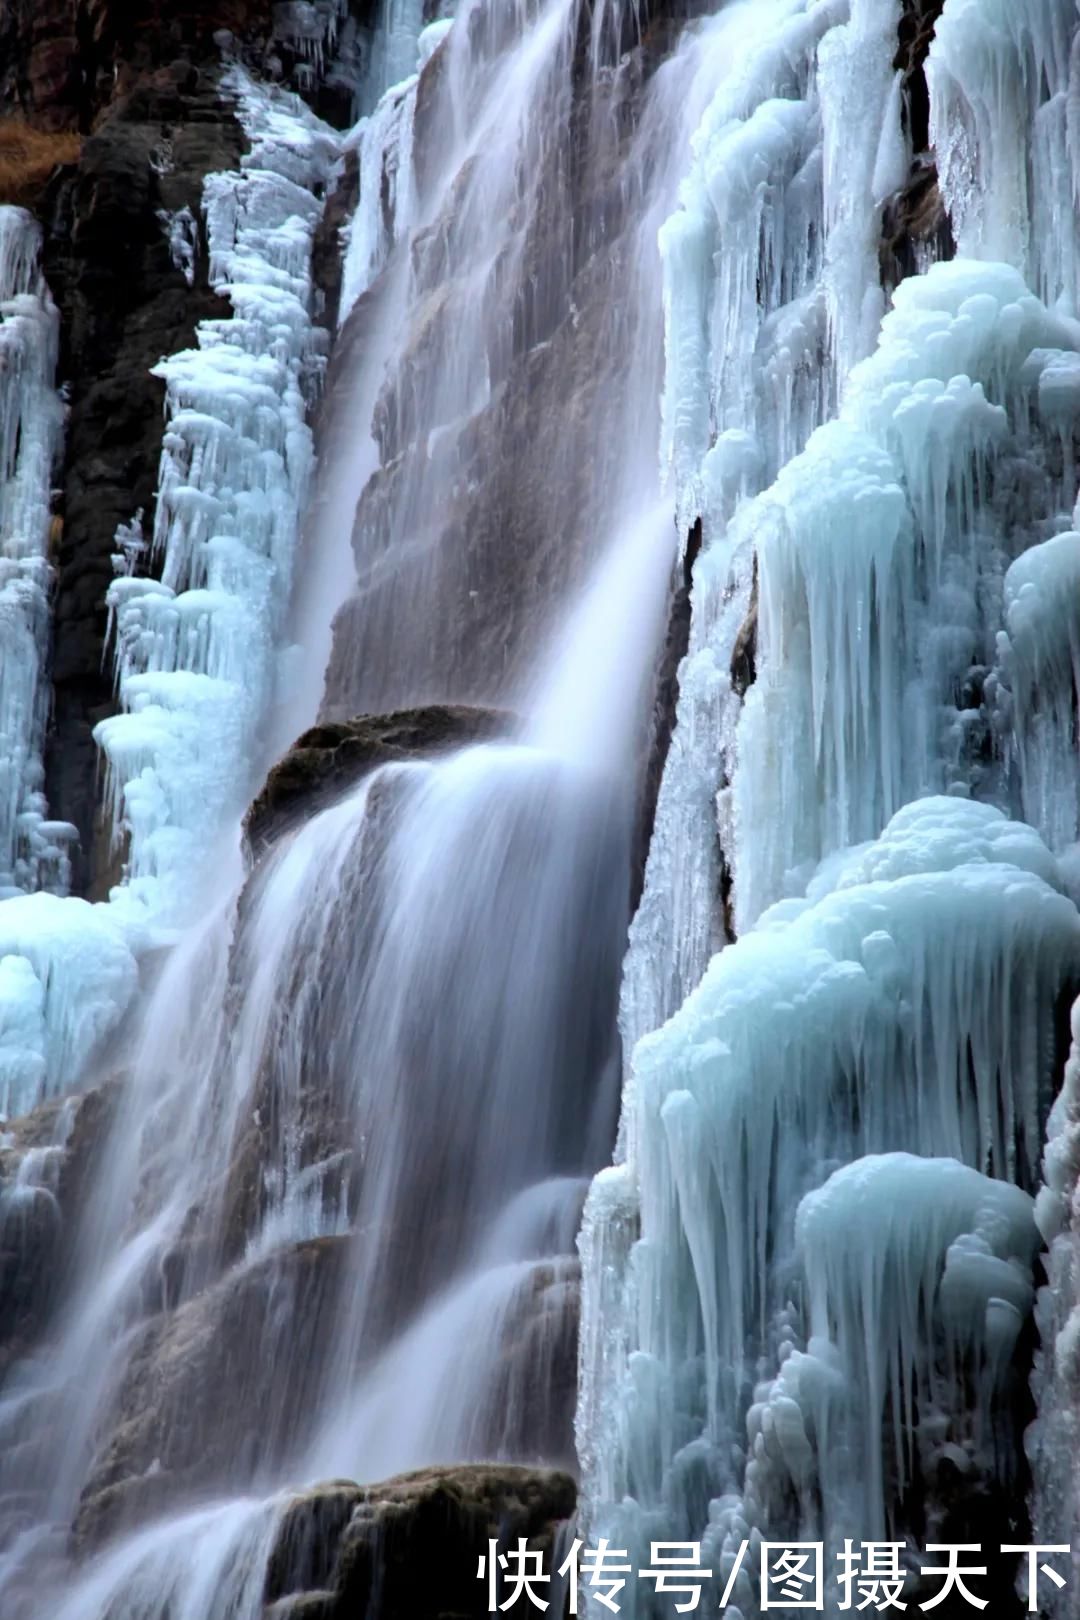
(28, 158)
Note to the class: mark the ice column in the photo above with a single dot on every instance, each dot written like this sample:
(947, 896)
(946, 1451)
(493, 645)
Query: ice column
(33, 850)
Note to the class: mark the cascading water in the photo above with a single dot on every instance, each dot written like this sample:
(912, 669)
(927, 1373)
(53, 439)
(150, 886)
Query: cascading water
(371, 1087)
(331, 1229)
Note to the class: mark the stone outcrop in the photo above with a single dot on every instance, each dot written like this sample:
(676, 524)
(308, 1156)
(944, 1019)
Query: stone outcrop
(408, 1549)
(330, 758)
(192, 1406)
(47, 1161)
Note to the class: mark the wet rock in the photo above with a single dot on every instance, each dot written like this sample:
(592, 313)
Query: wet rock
(330, 758)
(191, 1411)
(915, 227)
(48, 1160)
(744, 652)
(916, 29)
(410, 1547)
(306, 1549)
(535, 1382)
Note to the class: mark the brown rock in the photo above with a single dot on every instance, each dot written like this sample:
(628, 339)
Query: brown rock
(410, 1546)
(330, 758)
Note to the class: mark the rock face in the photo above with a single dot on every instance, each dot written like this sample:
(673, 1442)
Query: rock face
(192, 1406)
(330, 758)
(47, 1162)
(408, 1549)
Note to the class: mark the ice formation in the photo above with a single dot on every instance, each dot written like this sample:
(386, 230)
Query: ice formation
(879, 560)
(918, 1275)
(905, 1006)
(197, 649)
(898, 606)
(1003, 81)
(33, 849)
(778, 196)
(1039, 660)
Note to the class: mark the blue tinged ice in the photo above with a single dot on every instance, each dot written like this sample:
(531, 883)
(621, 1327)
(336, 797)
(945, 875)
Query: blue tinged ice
(918, 1270)
(1002, 79)
(901, 1008)
(875, 560)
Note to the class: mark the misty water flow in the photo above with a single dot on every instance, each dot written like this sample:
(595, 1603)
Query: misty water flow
(408, 1012)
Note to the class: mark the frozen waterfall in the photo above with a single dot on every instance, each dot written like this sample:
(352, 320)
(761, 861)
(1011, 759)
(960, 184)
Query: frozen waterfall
(595, 778)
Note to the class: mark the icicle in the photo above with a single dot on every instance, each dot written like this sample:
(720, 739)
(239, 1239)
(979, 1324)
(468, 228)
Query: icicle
(915, 1266)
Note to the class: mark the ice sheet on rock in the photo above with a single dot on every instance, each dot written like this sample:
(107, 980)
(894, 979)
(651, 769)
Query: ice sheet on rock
(879, 561)
(905, 1008)
(195, 651)
(31, 427)
(916, 1268)
(67, 974)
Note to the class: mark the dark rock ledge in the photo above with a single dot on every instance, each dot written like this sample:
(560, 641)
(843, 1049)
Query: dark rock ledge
(331, 758)
(408, 1549)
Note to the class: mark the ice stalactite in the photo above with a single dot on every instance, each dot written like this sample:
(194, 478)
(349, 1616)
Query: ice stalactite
(919, 1279)
(903, 1007)
(33, 849)
(880, 553)
(196, 651)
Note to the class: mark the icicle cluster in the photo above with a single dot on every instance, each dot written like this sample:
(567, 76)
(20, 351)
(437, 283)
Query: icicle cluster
(196, 651)
(776, 221)
(880, 553)
(902, 1007)
(33, 849)
(777, 1336)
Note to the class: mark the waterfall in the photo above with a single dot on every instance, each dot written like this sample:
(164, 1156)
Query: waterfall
(624, 1031)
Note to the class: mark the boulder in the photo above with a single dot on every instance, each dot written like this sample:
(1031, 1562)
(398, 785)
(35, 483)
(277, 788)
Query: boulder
(191, 1412)
(410, 1547)
(330, 758)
